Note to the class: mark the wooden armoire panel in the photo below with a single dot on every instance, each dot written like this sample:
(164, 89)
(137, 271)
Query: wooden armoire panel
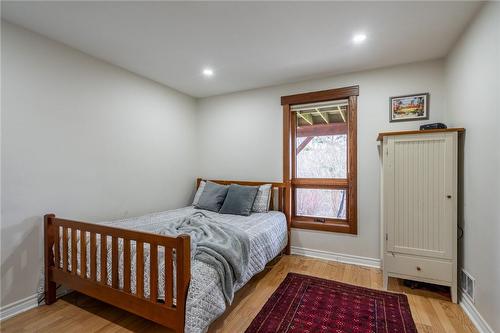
(419, 179)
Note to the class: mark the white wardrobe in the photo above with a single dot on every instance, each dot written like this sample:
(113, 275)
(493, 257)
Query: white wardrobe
(419, 206)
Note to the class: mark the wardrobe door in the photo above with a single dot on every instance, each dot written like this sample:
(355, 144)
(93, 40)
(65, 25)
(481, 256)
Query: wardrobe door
(419, 186)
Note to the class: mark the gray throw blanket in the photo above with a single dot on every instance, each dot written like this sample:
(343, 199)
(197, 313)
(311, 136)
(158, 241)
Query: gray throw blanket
(224, 247)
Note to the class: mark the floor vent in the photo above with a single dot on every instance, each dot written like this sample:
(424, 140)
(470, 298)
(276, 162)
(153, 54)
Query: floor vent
(467, 284)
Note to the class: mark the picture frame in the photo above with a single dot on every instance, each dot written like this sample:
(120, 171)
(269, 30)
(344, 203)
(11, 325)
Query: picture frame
(409, 107)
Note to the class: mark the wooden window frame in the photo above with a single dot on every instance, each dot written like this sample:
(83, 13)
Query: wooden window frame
(348, 225)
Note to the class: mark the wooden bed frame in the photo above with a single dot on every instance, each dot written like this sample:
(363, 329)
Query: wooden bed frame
(164, 312)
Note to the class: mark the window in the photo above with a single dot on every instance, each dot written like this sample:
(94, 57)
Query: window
(319, 159)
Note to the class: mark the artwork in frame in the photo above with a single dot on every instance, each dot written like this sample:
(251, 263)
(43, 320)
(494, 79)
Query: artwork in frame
(409, 107)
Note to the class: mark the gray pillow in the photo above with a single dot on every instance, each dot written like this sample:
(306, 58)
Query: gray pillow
(239, 200)
(212, 197)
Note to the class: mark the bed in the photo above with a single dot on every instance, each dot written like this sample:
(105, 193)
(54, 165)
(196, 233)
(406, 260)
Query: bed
(179, 292)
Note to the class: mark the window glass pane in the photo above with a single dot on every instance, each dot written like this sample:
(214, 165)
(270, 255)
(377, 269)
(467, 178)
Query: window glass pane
(321, 203)
(321, 141)
(322, 157)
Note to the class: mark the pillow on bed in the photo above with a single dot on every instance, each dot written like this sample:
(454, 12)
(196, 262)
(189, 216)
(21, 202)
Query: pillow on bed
(262, 199)
(212, 197)
(199, 191)
(239, 200)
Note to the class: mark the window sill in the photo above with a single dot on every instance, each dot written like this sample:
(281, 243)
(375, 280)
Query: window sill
(340, 227)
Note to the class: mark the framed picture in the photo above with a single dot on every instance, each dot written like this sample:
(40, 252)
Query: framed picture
(409, 107)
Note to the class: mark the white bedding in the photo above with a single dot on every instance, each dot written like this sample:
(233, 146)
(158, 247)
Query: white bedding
(205, 302)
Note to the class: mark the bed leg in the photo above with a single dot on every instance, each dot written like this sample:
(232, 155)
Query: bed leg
(288, 250)
(50, 292)
(50, 287)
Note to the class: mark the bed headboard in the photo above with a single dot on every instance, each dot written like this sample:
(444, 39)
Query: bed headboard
(280, 188)
(284, 200)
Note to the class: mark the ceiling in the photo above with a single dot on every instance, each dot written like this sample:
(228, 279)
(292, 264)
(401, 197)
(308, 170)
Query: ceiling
(248, 44)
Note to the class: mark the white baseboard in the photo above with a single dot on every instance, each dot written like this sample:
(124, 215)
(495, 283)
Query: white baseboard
(474, 315)
(26, 304)
(15, 308)
(340, 257)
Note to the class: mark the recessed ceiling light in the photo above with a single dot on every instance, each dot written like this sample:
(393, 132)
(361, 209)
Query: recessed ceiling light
(208, 72)
(358, 38)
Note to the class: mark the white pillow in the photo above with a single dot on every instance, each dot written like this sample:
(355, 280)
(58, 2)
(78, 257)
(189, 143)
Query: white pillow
(262, 199)
(199, 192)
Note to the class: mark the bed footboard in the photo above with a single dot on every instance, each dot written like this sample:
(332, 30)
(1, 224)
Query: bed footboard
(59, 269)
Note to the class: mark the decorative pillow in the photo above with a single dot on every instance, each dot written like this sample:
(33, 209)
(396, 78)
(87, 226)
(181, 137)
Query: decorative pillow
(239, 200)
(212, 197)
(199, 191)
(262, 199)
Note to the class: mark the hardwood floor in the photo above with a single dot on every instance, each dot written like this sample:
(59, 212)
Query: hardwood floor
(432, 311)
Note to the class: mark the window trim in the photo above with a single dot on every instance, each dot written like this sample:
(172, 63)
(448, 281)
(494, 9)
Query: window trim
(349, 225)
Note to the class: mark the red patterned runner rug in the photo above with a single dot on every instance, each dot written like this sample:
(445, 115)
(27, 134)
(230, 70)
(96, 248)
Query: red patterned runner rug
(306, 304)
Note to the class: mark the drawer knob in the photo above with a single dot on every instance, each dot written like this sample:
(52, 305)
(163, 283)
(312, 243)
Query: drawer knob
(418, 268)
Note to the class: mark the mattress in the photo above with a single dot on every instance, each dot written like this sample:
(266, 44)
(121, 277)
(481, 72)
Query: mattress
(205, 301)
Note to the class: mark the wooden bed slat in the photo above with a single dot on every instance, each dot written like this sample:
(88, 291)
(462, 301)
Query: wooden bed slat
(280, 199)
(139, 263)
(153, 272)
(93, 257)
(104, 259)
(65, 249)
(83, 253)
(74, 252)
(169, 277)
(126, 265)
(114, 262)
(271, 199)
(57, 249)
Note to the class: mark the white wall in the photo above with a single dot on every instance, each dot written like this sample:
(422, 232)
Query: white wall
(88, 140)
(473, 82)
(82, 139)
(240, 137)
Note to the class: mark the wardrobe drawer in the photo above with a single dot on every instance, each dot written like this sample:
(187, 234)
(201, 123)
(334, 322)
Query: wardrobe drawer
(419, 267)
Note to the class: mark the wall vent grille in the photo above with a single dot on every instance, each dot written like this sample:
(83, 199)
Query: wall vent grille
(467, 284)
